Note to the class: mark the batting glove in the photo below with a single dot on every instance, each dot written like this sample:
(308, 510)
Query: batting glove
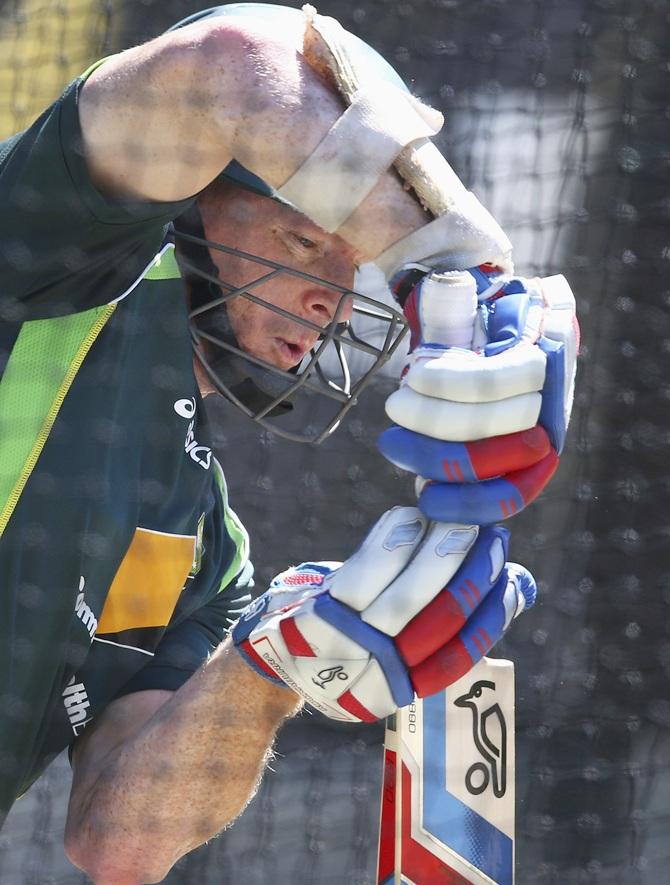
(484, 427)
(409, 613)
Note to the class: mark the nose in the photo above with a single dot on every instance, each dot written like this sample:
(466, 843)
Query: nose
(321, 305)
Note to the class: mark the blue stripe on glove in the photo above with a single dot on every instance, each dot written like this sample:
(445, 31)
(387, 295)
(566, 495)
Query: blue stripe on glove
(482, 503)
(426, 456)
(506, 322)
(552, 413)
(380, 646)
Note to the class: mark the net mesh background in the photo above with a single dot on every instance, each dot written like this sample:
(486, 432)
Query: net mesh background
(557, 116)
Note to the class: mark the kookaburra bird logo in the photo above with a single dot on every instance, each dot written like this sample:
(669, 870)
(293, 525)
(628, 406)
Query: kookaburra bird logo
(489, 732)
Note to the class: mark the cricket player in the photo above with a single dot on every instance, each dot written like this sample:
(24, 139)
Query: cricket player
(287, 154)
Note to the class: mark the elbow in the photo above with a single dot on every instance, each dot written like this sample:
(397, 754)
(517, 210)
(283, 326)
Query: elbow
(115, 860)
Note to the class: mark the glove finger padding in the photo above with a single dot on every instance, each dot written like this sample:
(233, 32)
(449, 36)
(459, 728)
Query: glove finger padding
(488, 501)
(464, 376)
(522, 371)
(327, 630)
(383, 555)
(470, 462)
(483, 481)
(514, 592)
(462, 422)
(435, 557)
(441, 619)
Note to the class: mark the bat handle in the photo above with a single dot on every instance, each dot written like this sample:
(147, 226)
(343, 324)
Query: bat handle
(449, 308)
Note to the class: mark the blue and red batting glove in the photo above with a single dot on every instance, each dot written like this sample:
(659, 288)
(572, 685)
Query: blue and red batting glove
(484, 427)
(412, 610)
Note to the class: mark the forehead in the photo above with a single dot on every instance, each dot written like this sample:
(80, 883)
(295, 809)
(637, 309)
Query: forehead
(228, 210)
(225, 203)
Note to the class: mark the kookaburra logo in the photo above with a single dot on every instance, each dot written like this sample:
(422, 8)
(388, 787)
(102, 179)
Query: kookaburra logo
(328, 674)
(489, 733)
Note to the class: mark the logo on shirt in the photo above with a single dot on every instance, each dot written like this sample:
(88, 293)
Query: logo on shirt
(83, 611)
(75, 699)
(202, 455)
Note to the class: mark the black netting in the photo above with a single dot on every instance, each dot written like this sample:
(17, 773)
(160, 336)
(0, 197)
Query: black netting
(558, 118)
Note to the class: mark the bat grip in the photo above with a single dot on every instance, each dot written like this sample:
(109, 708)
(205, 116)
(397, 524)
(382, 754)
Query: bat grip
(450, 308)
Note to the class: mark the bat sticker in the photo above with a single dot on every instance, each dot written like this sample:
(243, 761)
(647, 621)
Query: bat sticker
(447, 813)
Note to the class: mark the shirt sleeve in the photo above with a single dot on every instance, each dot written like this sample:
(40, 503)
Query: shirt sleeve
(184, 648)
(65, 247)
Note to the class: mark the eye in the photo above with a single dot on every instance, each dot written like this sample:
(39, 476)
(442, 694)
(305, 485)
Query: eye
(299, 245)
(305, 242)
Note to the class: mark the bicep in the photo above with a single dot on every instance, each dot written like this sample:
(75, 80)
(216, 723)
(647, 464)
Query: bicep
(148, 123)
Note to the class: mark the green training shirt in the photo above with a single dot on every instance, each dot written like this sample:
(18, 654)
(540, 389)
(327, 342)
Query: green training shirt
(121, 563)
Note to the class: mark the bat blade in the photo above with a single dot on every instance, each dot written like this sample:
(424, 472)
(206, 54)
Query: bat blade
(448, 796)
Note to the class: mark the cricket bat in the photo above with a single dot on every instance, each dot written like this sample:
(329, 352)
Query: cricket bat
(447, 808)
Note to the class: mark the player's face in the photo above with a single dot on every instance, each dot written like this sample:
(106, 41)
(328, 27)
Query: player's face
(264, 227)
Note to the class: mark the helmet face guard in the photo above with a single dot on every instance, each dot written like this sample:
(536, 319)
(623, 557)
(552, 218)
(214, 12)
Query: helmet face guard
(345, 356)
(339, 366)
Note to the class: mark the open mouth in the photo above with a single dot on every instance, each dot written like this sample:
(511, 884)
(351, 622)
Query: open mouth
(290, 352)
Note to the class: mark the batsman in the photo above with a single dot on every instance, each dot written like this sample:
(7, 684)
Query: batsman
(186, 220)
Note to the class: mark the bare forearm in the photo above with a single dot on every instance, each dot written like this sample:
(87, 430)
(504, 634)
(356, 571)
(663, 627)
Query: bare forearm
(186, 775)
(162, 120)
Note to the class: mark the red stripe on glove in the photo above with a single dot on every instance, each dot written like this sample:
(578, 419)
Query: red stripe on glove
(296, 643)
(258, 660)
(352, 705)
(512, 451)
(441, 669)
(430, 629)
(531, 480)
